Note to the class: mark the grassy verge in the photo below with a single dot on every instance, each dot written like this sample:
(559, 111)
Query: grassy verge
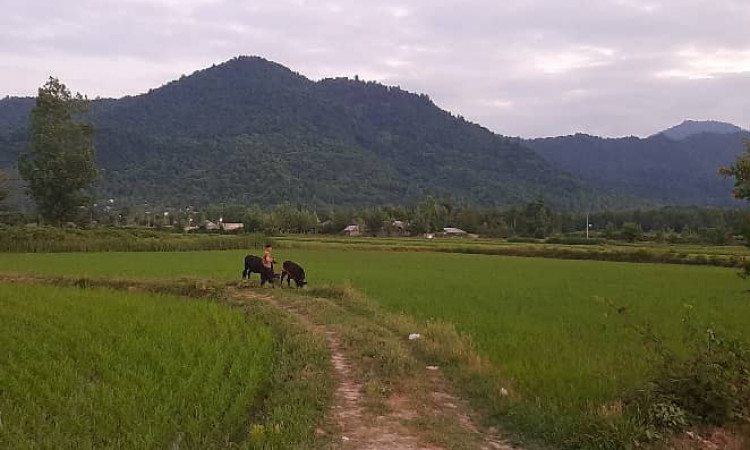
(299, 395)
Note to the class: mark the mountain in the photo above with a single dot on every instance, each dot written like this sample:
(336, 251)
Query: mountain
(253, 131)
(690, 128)
(659, 168)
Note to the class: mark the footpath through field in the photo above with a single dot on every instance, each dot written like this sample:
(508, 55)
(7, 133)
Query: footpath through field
(384, 398)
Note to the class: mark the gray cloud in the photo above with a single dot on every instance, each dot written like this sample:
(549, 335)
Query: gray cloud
(519, 67)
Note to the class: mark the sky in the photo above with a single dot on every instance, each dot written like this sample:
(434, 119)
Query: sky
(525, 68)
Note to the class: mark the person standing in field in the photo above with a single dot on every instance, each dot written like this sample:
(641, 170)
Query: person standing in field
(268, 258)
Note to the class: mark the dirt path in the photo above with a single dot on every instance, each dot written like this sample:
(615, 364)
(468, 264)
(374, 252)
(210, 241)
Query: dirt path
(412, 423)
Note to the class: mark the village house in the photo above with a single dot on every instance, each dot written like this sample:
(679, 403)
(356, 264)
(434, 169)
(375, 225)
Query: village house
(351, 231)
(399, 227)
(453, 232)
(211, 226)
(232, 226)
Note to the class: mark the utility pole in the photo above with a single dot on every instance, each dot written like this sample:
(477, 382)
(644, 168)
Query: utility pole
(587, 225)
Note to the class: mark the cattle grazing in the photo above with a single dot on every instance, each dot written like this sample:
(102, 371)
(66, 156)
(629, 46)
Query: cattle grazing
(293, 271)
(254, 264)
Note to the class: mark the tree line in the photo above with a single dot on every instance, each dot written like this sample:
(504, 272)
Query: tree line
(534, 220)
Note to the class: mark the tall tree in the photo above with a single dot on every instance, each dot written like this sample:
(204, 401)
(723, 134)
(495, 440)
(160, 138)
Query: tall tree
(537, 219)
(60, 166)
(430, 215)
(740, 170)
(374, 220)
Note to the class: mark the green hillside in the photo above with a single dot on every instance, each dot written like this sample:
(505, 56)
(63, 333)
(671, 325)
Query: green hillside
(658, 168)
(253, 131)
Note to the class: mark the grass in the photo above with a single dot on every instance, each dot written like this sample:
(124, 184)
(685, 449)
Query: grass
(722, 256)
(50, 239)
(99, 369)
(542, 323)
(301, 386)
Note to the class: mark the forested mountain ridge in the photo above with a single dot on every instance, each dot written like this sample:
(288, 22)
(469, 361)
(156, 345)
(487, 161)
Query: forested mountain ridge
(690, 128)
(253, 131)
(667, 171)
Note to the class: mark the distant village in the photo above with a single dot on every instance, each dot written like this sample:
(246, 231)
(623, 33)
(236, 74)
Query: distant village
(397, 228)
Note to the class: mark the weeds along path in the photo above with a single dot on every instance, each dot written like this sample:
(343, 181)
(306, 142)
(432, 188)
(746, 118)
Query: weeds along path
(384, 398)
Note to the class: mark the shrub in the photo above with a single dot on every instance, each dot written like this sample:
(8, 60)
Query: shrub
(713, 385)
(667, 416)
(710, 385)
(631, 231)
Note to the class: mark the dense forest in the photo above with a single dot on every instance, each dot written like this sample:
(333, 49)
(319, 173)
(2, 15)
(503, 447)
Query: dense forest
(660, 168)
(251, 131)
(254, 132)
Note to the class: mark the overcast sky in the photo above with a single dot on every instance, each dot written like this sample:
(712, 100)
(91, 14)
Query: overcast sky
(519, 67)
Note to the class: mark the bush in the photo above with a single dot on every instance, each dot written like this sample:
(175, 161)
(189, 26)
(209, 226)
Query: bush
(712, 386)
(706, 385)
(631, 231)
(666, 416)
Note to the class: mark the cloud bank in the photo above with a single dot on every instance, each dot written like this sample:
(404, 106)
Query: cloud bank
(519, 67)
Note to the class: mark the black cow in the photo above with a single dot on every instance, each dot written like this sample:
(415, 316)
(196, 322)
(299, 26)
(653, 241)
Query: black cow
(254, 264)
(293, 271)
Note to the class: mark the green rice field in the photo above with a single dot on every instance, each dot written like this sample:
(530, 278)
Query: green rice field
(544, 323)
(93, 368)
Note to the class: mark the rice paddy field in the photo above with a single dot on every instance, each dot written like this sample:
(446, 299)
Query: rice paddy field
(93, 368)
(548, 325)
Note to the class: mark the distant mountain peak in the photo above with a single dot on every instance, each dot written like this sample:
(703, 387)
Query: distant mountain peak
(254, 62)
(692, 127)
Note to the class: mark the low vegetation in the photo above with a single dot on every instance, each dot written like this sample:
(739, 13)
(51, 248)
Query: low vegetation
(706, 386)
(545, 326)
(46, 239)
(98, 368)
(699, 390)
(49, 239)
